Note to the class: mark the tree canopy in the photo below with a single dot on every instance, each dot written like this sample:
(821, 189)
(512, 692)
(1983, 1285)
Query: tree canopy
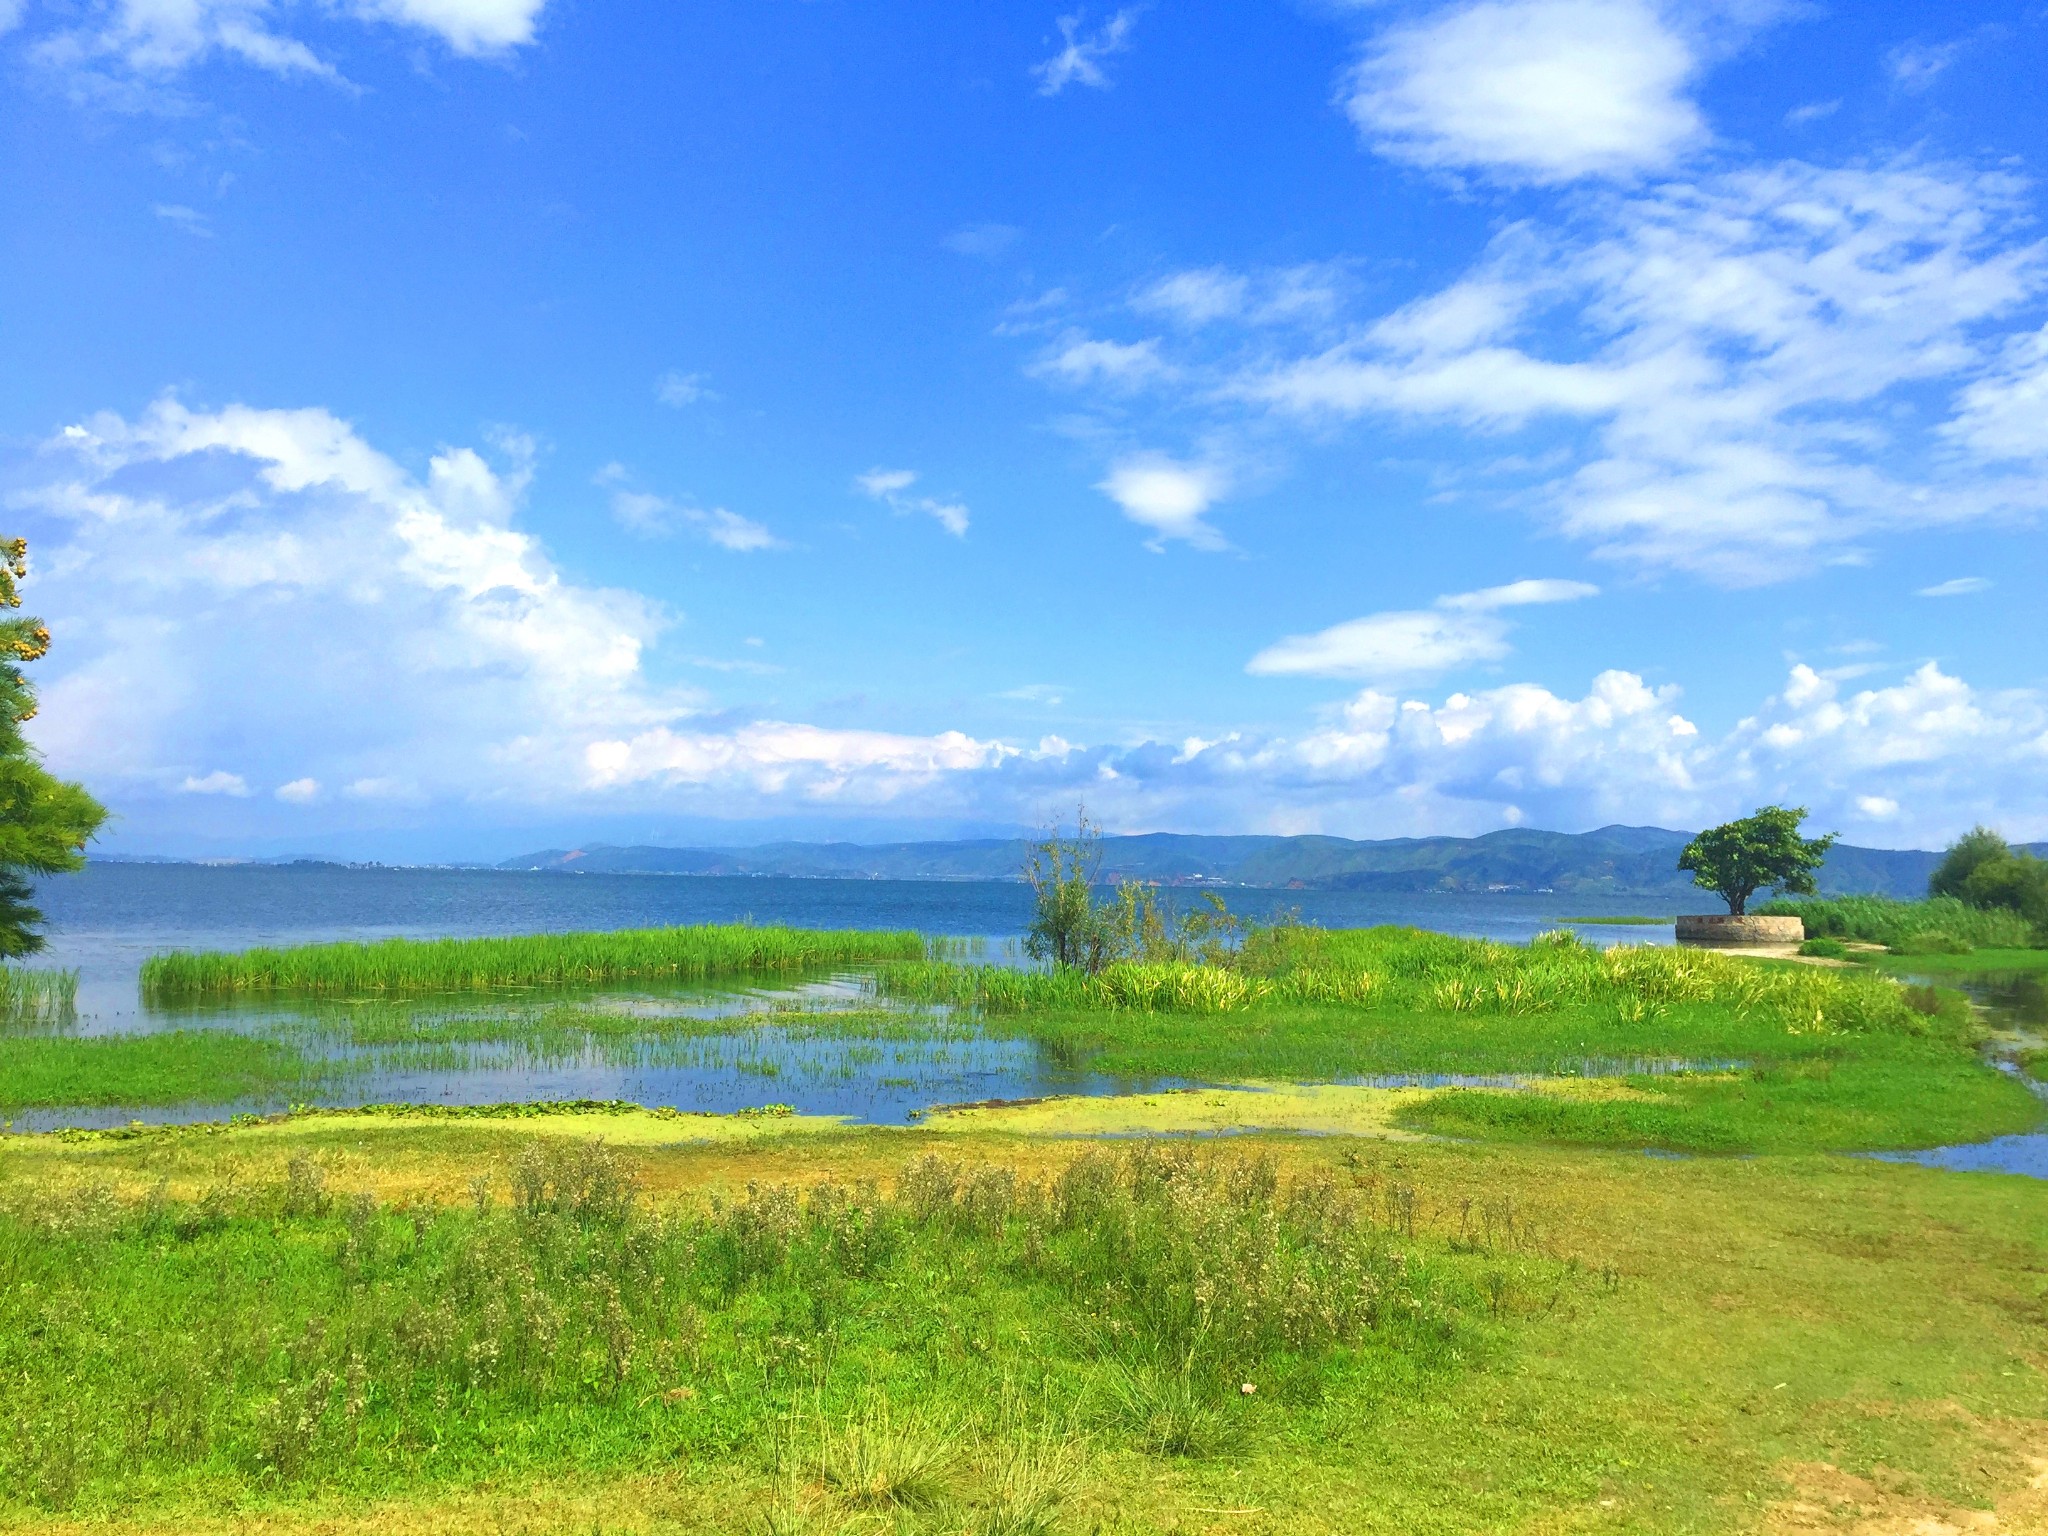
(1981, 869)
(1761, 851)
(45, 822)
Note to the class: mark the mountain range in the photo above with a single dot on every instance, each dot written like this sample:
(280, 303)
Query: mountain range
(1610, 861)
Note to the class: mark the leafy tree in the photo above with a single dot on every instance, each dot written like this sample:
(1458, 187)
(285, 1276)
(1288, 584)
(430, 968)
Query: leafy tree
(1066, 926)
(1759, 851)
(1966, 855)
(2018, 883)
(1070, 927)
(45, 822)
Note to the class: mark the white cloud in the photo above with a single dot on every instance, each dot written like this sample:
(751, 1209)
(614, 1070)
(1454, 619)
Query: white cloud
(982, 239)
(1724, 348)
(1168, 496)
(1080, 59)
(1916, 66)
(678, 389)
(1877, 807)
(1531, 90)
(1051, 694)
(1081, 360)
(656, 517)
(888, 485)
(472, 27)
(1196, 297)
(1812, 112)
(190, 220)
(395, 628)
(158, 39)
(2003, 416)
(299, 791)
(775, 757)
(1463, 629)
(219, 782)
(1960, 586)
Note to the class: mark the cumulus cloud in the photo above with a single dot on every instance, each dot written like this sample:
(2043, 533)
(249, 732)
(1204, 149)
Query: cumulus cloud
(1081, 55)
(891, 487)
(1722, 347)
(1461, 630)
(1196, 297)
(299, 791)
(863, 767)
(1531, 90)
(1169, 496)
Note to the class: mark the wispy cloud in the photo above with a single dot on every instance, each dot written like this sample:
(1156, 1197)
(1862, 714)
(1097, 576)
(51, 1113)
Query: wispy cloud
(890, 487)
(678, 389)
(1960, 586)
(218, 782)
(129, 44)
(653, 516)
(1081, 56)
(1916, 66)
(983, 240)
(190, 220)
(1406, 646)
(1082, 359)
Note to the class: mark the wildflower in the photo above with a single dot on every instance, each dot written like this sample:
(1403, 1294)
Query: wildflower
(1247, 1389)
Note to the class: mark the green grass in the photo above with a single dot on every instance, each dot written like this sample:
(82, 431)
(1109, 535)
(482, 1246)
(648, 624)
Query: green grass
(1977, 961)
(554, 959)
(1880, 920)
(1893, 1099)
(180, 1067)
(289, 1338)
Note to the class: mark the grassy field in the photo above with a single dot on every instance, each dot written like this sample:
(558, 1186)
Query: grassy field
(549, 959)
(479, 1326)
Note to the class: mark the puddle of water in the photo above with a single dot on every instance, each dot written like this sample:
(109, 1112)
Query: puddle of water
(2017, 1005)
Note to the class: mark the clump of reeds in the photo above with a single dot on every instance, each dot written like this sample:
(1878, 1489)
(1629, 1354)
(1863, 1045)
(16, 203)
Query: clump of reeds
(37, 998)
(544, 959)
(1895, 924)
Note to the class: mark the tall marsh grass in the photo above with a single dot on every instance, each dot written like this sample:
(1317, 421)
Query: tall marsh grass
(547, 959)
(1390, 970)
(301, 1336)
(37, 999)
(1880, 920)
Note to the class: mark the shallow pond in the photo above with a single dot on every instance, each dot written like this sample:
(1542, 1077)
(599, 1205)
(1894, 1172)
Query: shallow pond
(2016, 1003)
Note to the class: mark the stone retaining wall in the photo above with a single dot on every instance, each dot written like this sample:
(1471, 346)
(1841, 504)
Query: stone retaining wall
(1720, 929)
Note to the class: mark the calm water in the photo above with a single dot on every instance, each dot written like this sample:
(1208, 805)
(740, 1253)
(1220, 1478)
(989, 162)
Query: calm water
(106, 920)
(2018, 1002)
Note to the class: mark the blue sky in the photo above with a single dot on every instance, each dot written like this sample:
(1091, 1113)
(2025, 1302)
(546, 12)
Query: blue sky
(449, 426)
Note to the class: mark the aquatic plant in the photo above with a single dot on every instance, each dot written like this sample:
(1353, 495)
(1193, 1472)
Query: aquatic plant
(544, 959)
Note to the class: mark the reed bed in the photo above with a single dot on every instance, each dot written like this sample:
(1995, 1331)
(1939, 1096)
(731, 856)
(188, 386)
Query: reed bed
(1403, 970)
(419, 966)
(37, 998)
(1880, 920)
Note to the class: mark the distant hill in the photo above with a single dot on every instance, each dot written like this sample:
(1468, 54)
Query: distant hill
(1617, 861)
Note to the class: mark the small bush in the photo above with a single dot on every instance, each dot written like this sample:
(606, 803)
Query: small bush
(1825, 949)
(1933, 942)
